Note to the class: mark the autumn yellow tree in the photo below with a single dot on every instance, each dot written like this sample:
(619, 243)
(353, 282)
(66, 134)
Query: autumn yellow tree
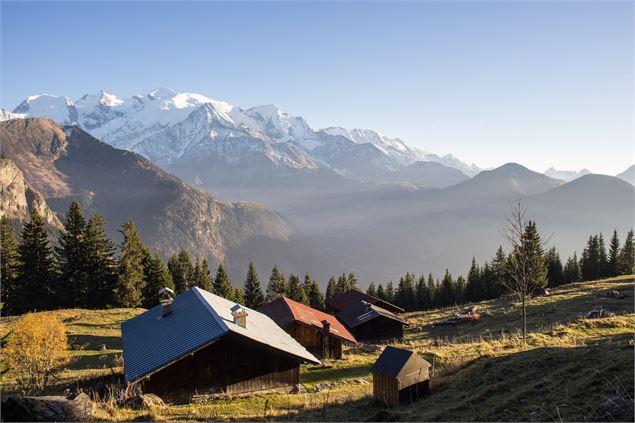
(37, 350)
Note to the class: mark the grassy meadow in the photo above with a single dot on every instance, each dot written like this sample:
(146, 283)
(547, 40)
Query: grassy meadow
(481, 370)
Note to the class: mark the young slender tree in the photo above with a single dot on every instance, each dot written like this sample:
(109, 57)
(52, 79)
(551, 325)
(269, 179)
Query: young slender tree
(526, 266)
(204, 277)
(432, 291)
(9, 265)
(222, 285)
(277, 286)
(36, 276)
(71, 257)
(101, 265)
(131, 279)
(295, 291)
(254, 297)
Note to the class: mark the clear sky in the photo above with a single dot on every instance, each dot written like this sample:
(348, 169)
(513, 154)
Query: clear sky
(542, 83)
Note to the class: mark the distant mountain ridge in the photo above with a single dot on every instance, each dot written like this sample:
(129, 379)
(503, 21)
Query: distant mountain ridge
(565, 175)
(169, 127)
(628, 175)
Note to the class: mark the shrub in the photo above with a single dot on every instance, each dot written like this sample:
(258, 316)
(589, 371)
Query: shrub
(37, 350)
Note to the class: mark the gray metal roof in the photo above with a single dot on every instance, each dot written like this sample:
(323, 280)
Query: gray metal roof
(363, 312)
(397, 362)
(198, 318)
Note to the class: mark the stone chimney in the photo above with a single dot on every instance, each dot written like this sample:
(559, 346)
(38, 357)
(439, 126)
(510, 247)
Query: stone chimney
(165, 298)
(326, 326)
(240, 315)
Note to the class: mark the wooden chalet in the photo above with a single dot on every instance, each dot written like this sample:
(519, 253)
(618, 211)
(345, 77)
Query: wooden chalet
(200, 344)
(353, 296)
(399, 377)
(320, 333)
(370, 323)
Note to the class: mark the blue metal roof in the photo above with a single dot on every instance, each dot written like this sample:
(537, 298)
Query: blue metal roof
(198, 318)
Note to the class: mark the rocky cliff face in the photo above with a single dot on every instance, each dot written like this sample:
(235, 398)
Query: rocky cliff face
(66, 163)
(19, 198)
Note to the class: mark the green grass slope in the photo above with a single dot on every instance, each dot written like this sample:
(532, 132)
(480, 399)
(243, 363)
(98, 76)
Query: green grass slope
(481, 370)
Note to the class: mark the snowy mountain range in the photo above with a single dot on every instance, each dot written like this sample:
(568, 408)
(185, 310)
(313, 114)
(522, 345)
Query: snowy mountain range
(565, 175)
(172, 129)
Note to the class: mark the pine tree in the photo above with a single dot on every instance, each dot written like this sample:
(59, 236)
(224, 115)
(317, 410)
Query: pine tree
(614, 256)
(554, 267)
(603, 261)
(71, 259)
(158, 277)
(499, 273)
(239, 296)
(312, 290)
(422, 294)
(351, 280)
(459, 293)
(101, 265)
(222, 286)
(572, 272)
(390, 292)
(131, 277)
(342, 284)
(254, 297)
(381, 294)
(36, 276)
(295, 291)
(372, 290)
(447, 290)
(9, 265)
(331, 289)
(627, 255)
(204, 280)
(474, 286)
(277, 286)
(405, 292)
(432, 291)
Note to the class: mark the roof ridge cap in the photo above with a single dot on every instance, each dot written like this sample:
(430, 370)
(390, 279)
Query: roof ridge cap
(209, 307)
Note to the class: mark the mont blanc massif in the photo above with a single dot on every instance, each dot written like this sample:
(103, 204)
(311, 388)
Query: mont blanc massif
(261, 185)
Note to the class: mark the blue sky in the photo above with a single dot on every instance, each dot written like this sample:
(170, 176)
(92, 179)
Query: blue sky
(540, 83)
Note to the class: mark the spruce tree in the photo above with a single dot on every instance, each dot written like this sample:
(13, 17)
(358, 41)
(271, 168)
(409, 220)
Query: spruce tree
(186, 272)
(499, 273)
(572, 272)
(295, 291)
(277, 286)
(554, 267)
(390, 292)
(421, 294)
(371, 290)
(9, 265)
(447, 290)
(312, 290)
(254, 297)
(101, 265)
(381, 293)
(158, 277)
(432, 291)
(204, 277)
(603, 261)
(331, 290)
(459, 293)
(342, 284)
(36, 278)
(238, 296)
(474, 286)
(351, 280)
(405, 292)
(131, 278)
(71, 258)
(222, 285)
(627, 255)
(614, 256)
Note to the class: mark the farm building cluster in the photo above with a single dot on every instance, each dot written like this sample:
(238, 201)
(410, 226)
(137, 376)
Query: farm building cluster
(200, 345)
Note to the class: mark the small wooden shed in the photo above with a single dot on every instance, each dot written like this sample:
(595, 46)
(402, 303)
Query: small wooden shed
(320, 333)
(400, 377)
(352, 297)
(200, 344)
(370, 323)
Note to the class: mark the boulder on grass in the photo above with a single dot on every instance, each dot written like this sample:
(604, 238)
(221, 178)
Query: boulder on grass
(143, 402)
(599, 313)
(542, 292)
(611, 294)
(47, 409)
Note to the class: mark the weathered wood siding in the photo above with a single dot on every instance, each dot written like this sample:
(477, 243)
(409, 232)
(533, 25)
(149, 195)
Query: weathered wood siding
(316, 341)
(385, 389)
(232, 365)
(377, 329)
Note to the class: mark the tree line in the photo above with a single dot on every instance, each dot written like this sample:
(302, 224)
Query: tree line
(492, 279)
(86, 269)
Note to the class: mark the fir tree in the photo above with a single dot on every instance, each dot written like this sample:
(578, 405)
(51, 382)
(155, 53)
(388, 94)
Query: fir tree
(614, 256)
(277, 286)
(572, 272)
(405, 292)
(254, 297)
(381, 294)
(204, 280)
(342, 284)
(101, 266)
(131, 278)
(71, 259)
(9, 265)
(371, 290)
(447, 290)
(627, 255)
(603, 261)
(295, 291)
(312, 290)
(185, 268)
(239, 296)
(459, 293)
(158, 277)
(422, 294)
(474, 286)
(554, 267)
(36, 276)
(222, 286)
(331, 290)
(499, 273)
(432, 291)
(390, 292)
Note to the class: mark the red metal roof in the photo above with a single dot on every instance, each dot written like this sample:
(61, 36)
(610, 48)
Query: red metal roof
(285, 311)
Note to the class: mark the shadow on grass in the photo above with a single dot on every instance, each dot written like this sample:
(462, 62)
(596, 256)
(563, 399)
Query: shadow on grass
(321, 375)
(96, 361)
(95, 342)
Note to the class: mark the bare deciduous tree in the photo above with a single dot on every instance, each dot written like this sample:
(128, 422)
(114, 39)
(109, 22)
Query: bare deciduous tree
(526, 269)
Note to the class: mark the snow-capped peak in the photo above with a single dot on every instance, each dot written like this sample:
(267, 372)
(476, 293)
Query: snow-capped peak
(161, 93)
(101, 98)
